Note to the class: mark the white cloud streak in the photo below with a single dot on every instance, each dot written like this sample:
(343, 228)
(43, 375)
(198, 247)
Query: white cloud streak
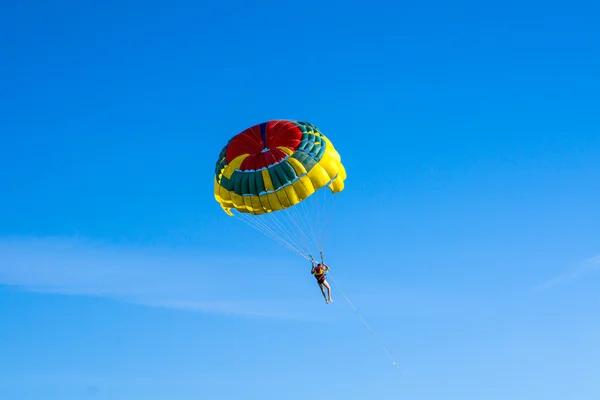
(176, 279)
(587, 267)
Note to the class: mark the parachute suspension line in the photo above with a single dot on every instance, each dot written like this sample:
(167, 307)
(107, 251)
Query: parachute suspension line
(324, 206)
(294, 218)
(329, 208)
(295, 223)
(284, 227)
(295, 226)
(274, 237)
(327, 217)
(307, 218)
(302, 228)
(315, 218)
(363, 320)
(283, 236)
(317, 215)
(285, 232)
(303, 222)
(319, 229)
(262, 227)
(319, 226)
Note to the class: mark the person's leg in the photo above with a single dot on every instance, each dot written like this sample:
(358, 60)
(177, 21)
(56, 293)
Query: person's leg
(322, 290)
(328, 290)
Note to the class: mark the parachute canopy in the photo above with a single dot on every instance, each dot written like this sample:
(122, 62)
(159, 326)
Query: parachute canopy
(275, 165)
(268, 172)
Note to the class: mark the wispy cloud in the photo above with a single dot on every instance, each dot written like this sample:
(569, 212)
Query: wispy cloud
(168, 278)
(587, 267)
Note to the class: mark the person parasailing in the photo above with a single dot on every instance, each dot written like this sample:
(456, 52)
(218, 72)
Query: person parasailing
(319, 273)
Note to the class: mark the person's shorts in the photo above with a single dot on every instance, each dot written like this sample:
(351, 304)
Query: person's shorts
(321, 279)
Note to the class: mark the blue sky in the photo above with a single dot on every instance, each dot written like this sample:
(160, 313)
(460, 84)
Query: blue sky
(467, 235)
